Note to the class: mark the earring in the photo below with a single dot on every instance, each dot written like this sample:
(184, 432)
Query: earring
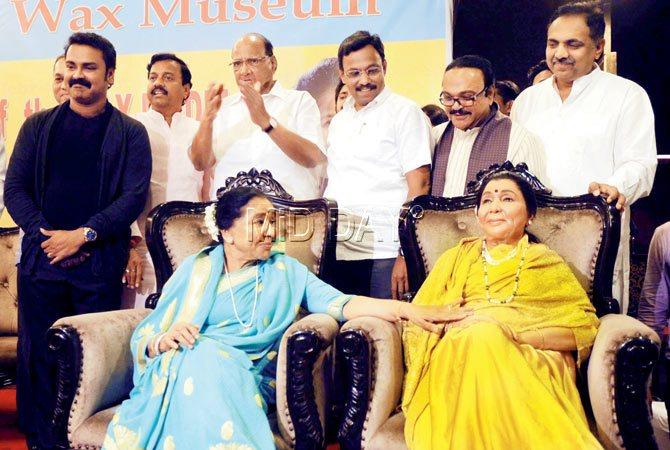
(530, 221)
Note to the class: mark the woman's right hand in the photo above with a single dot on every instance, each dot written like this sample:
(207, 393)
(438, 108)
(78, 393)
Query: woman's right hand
(433, 318)
(180, 333)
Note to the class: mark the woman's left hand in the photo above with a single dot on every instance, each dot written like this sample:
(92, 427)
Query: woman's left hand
(432, 318)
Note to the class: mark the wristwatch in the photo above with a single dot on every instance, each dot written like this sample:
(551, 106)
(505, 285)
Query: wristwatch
(90, 234)
(273, 124)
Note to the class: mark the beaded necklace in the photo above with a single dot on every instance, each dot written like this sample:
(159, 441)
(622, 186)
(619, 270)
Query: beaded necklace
(485, 262)
(232, 297)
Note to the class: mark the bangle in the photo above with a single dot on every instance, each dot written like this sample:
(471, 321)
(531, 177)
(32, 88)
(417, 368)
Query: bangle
(157, 342)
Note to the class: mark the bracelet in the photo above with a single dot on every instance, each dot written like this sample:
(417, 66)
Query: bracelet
(157, 343)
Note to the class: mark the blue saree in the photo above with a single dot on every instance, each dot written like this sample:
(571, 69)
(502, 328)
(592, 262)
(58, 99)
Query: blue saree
(216, 395)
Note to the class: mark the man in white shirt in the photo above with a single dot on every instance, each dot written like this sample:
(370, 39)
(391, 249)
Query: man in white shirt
(477, 134)
(263, 126)
(378, 158)
(173, 177)
(597, 128)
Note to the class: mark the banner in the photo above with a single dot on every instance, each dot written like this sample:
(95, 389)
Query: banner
(416, 34)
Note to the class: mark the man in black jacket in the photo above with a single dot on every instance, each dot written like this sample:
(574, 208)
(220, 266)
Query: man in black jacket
(78, 177)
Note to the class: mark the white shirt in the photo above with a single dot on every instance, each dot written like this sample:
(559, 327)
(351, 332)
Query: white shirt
(239, 144)
(369, 153)
(524, 147)
(173, 177)
(603, 132)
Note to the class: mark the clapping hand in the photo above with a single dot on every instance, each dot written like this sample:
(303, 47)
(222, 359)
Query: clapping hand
(251, 94)
(213, 99)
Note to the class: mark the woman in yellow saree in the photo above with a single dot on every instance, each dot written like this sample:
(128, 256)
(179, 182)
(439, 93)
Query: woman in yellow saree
(503, 377)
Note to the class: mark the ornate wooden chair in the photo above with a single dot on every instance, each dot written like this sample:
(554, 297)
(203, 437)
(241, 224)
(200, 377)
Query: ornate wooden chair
(585, 231)
(8, 305)
(93, 354)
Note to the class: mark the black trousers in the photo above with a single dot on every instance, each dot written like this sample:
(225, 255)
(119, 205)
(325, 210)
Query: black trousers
(368, 277)
(46, 295)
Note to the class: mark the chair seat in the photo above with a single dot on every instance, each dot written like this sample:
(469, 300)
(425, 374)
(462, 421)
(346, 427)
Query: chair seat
(391, 435)
(8, 351)
(91, 433)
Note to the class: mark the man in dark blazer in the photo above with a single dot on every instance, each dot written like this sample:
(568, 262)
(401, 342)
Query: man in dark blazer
(78, 177)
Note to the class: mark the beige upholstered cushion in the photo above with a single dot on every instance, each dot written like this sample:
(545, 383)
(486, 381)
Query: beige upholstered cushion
(391, 435)
(91, 433)
(614, 330)
(575, 235)
(8, 350)
(107, 365)
(8, 298)
(185, 234)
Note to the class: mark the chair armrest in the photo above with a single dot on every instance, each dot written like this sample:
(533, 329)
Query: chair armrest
(623, 356)
(369, 352)
(94, 367)
(303, 374)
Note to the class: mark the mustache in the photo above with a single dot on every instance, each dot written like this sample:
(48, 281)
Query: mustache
(158, 89)
(80, 81)
(370, 86)
(566, 60)
(459, 112)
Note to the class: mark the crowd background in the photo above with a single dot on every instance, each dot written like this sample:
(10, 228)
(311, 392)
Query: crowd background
(26, 60)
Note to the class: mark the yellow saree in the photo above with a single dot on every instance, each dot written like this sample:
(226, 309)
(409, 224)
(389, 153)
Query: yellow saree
(476, 388)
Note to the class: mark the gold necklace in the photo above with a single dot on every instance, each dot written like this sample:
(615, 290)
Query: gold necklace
(516, 277)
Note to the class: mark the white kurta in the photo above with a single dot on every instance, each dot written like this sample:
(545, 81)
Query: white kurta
(524, 147)
(603, 132)
(173, 177)
(239, 144)
(369, 153)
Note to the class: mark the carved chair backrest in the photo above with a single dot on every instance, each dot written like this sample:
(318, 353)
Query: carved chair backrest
(584, 230)
(176, 229)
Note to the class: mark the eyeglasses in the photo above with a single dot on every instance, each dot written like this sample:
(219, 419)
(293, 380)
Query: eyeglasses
(371, 72)
(251, 62)
(464, 100)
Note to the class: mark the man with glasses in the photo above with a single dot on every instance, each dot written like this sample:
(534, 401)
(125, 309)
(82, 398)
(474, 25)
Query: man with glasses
(263, 126)
(478, 134)
(378, 158)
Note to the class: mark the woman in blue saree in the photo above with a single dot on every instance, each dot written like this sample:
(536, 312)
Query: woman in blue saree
(205, 358)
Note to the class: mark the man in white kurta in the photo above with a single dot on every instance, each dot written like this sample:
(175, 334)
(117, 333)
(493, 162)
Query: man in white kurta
(378, 158)
(264, 126)
(478, 135)
(597, 128)
(173, 177)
